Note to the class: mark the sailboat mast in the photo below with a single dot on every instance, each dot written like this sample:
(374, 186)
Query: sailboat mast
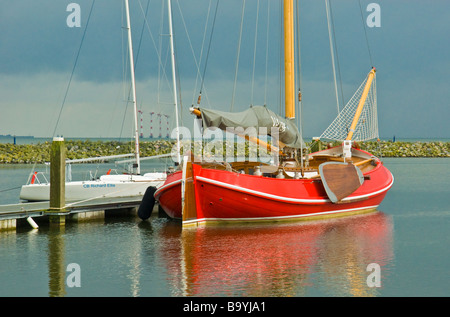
(133, 90)
(289, 65)
(169, 8)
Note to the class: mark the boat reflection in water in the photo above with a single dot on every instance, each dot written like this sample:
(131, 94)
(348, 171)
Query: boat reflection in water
(324, 258)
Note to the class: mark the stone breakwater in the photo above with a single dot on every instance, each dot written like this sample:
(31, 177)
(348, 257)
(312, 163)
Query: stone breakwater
(40, 153)
(407, 149)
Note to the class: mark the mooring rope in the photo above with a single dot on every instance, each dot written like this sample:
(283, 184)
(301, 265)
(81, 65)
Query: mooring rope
(8, 189)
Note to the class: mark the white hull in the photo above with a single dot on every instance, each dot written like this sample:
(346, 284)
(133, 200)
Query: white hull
(106, 186)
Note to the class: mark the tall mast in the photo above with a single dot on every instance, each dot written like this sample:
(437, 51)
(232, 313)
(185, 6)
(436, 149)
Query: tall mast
(169, 8)
(289, 65)
(133, 91)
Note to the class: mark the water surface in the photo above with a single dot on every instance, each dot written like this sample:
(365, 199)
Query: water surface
(124, 256)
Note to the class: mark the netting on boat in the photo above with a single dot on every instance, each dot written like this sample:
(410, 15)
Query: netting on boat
(367, 127)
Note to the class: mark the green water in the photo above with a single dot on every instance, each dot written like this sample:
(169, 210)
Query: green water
(123, 256)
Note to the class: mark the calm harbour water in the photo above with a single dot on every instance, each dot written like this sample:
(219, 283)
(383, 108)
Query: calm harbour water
(408, 238)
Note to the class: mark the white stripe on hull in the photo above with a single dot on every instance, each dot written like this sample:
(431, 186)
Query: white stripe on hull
(288, 199)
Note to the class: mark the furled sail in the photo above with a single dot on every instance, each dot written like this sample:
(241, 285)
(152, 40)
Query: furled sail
(256, 117)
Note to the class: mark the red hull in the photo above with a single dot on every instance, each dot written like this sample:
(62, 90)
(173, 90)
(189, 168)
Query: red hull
(169, 195)
(228, 196)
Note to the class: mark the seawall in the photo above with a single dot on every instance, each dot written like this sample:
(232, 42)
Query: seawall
(40, 153)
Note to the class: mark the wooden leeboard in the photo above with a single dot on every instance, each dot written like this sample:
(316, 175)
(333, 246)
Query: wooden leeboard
(189, 210)
(340, 179)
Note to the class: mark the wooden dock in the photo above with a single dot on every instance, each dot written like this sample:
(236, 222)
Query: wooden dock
(58, 210)
(9, 214)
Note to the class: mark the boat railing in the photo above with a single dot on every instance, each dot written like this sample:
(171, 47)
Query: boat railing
(36, 180)
(95, 176)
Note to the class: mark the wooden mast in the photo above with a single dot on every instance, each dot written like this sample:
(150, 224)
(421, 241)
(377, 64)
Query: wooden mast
(362, 101)
(289, 64)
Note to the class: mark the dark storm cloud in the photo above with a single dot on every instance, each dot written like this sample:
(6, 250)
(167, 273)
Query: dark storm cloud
(410, 50)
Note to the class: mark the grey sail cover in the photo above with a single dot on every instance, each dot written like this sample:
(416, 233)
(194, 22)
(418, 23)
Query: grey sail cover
(257, 117)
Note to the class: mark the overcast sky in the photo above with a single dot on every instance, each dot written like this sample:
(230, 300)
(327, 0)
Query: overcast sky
(410, 50)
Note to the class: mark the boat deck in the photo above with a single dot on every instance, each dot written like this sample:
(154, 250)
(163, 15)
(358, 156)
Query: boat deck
(363, 160)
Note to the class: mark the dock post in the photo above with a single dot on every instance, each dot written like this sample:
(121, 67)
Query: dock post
(316, 144)
(57, 181)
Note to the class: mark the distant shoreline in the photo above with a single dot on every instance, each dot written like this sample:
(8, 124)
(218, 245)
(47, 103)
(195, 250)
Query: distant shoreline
(76, 149)
(23, 139)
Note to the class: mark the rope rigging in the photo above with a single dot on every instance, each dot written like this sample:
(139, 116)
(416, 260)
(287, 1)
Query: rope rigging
(207, 53)
(73, 69)
(254, 51)
(197, 63)
(367, 125)
(201, 55)
(365, 33)
(267, 51)
(238, 55)
(333, 49)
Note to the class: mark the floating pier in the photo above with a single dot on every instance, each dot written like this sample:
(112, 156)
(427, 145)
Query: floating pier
(57, 210)
(11, 215)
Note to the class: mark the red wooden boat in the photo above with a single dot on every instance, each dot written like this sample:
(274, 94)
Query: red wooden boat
(218, 195)
(338, 181)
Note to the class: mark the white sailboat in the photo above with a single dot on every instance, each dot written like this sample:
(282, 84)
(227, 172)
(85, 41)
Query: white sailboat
(108, 185)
